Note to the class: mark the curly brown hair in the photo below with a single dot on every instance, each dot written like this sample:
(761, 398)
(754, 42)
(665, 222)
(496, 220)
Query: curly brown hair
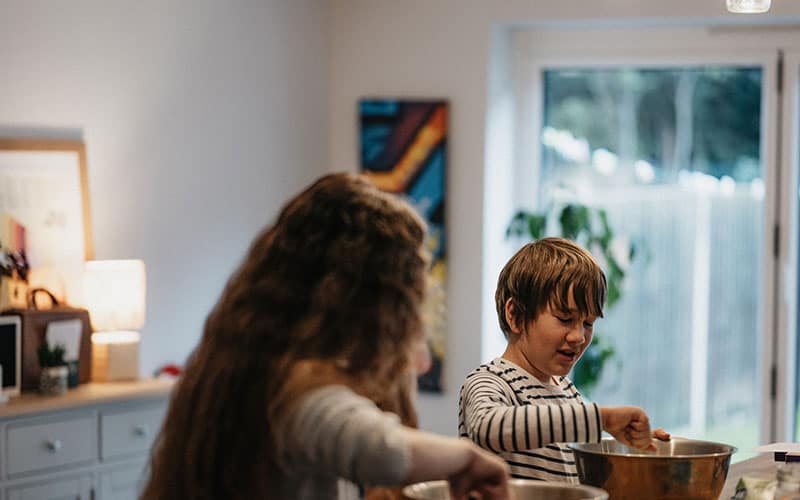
(338, 279)
(547, 272)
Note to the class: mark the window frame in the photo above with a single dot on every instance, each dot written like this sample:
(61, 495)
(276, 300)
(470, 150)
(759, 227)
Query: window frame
(559, 47)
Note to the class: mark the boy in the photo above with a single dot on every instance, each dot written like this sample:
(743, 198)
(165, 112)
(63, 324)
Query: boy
(521, 405)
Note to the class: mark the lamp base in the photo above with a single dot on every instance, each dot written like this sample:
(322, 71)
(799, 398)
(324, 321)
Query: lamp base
(115, 361)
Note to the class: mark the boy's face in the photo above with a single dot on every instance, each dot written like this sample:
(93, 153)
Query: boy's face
(552, 343)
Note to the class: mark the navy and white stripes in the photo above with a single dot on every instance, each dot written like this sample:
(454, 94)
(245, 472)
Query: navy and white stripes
(508, 411)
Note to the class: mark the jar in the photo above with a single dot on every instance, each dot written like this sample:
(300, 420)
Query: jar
(53, 380)
(788, 487)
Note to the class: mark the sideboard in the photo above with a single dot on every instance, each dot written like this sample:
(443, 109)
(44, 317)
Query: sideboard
(92, 443)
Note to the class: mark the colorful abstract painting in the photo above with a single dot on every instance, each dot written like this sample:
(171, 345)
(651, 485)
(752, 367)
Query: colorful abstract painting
(404, 151)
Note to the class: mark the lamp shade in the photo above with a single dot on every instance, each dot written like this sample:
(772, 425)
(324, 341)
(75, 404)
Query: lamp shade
(748, 6)
(114, 291)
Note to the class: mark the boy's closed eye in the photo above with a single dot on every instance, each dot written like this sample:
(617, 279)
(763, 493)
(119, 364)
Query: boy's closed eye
(566, 320)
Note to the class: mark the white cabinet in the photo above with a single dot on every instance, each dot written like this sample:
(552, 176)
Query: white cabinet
(92, 444)
(73, 488)
(129, 432)
(39, 444)
(123, 482)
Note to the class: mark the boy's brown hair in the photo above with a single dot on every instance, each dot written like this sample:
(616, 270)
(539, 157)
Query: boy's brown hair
(547, 272)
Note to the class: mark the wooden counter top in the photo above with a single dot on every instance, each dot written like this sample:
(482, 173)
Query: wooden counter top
(85, 395)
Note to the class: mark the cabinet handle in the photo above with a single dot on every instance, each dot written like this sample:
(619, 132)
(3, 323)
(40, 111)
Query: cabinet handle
(141, 431)
(53, 445)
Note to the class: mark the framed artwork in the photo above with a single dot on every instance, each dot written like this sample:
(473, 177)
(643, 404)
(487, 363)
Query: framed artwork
(403, 150)
(44, 210)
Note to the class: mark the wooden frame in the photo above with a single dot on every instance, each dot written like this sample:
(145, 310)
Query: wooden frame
(59, 145)
(51, 203)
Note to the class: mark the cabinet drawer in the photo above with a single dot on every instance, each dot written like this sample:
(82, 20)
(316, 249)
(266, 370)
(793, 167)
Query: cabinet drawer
(37, 445)
(124, 482)
(74, 488)
(129, 432)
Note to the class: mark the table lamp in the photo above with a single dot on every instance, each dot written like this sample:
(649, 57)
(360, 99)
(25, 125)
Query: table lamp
(115, 296)
(748, 6)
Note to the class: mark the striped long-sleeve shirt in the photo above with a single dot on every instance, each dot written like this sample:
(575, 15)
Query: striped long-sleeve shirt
(506, 410)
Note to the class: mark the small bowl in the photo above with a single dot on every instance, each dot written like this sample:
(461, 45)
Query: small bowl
(522, 489)
(680, 468)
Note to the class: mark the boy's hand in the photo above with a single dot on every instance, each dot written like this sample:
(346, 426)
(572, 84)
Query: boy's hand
(661, 434)
(629, 425)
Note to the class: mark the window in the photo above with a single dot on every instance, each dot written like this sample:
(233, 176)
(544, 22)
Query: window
(673, 157)
(676, 132)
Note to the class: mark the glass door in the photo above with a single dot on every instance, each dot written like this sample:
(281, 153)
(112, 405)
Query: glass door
(787, 347)
(673, 156)
(676, 152)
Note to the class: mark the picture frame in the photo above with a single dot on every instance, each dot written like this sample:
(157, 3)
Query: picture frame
(10, 356)
(403, 149)
(44, 201)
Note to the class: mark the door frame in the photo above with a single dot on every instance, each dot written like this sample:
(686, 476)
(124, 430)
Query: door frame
(684, 46)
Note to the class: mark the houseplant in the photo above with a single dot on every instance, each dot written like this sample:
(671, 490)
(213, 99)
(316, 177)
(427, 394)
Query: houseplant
(53, 377)
(589, 227)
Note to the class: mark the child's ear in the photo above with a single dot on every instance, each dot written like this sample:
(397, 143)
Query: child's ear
(511, 317)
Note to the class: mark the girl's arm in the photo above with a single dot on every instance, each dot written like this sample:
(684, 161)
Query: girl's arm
(334, 431)
(468, 468)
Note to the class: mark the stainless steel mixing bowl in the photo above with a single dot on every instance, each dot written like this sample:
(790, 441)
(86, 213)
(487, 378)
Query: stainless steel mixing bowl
(684, 469)
(522, 489)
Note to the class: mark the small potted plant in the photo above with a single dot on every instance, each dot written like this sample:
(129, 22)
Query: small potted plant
(53, 377)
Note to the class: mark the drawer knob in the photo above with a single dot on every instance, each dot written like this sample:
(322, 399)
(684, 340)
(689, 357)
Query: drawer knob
(141, 431)
(53, 445)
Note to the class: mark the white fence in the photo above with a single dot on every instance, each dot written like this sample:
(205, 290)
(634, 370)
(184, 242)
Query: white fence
(686, 329)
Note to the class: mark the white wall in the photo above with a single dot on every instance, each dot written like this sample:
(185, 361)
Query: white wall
(440, 48)
(200, 118)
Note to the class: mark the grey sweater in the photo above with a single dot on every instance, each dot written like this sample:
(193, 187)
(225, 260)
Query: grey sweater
(336, 439)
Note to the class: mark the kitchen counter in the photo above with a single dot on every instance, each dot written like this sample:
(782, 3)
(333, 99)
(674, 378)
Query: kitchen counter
(762, 466)
(86, 395)
(93, 442)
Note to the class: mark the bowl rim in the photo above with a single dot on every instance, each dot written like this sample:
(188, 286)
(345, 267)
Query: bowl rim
(559, 484)
(580, 448)
(593, 490)
(585, 488)
(435, 482)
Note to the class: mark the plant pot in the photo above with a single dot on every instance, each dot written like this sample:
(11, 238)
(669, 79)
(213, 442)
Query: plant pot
(53, 380)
